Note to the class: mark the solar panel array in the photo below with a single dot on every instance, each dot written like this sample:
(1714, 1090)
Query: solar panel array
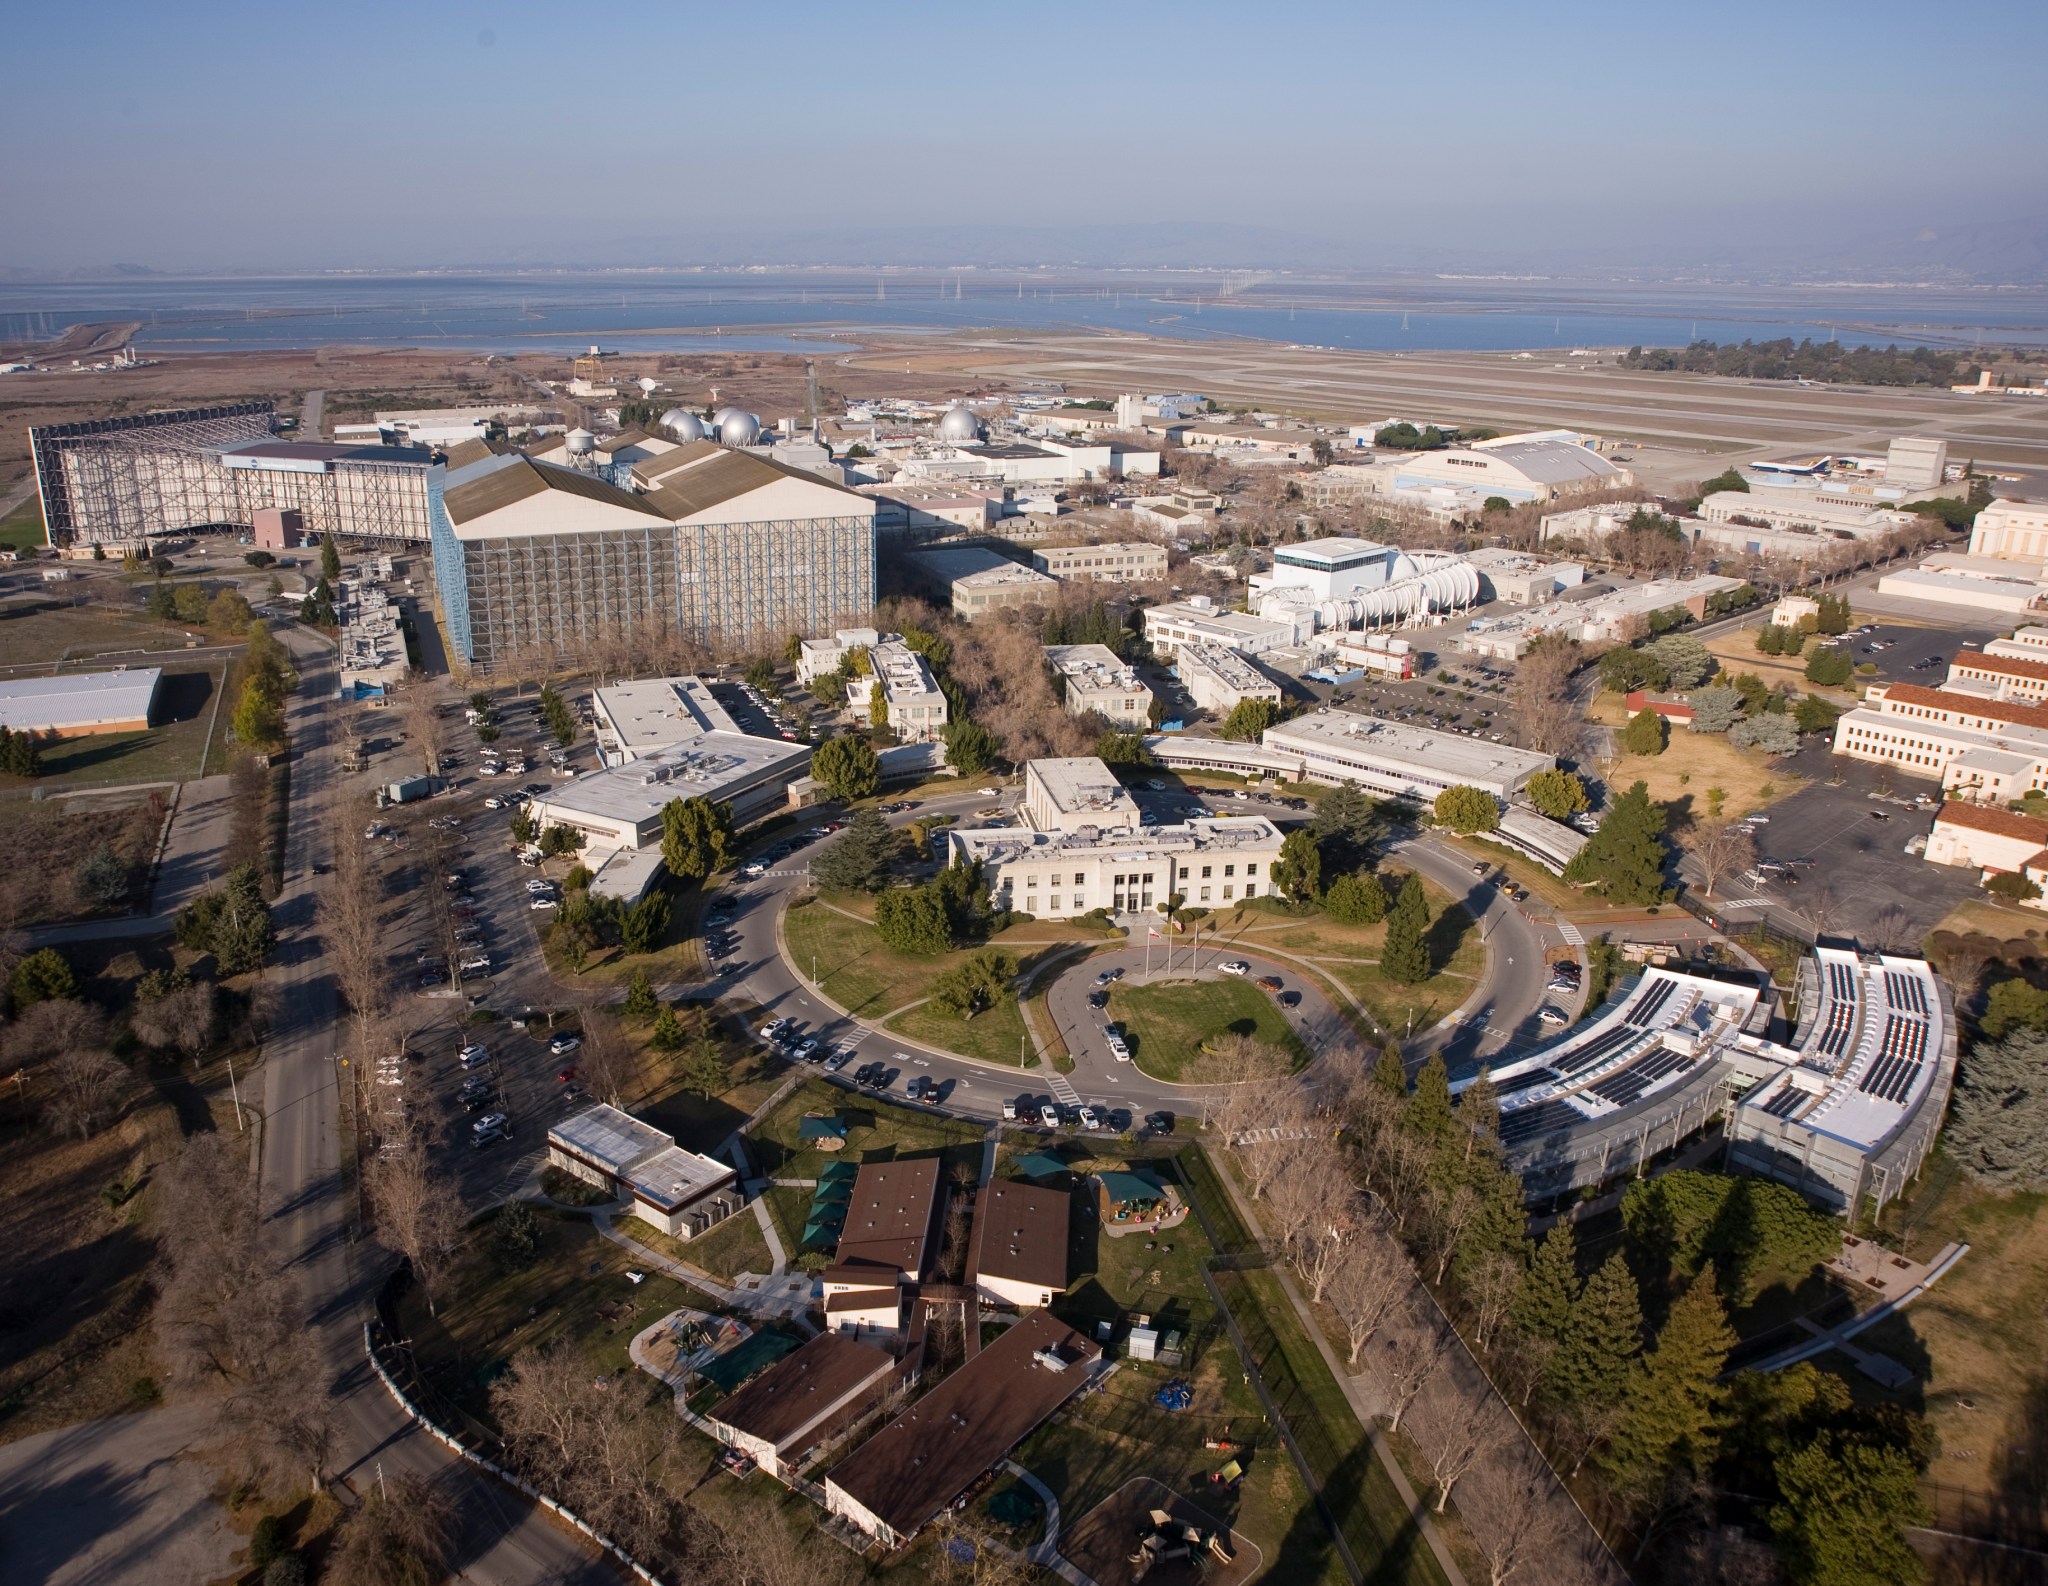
(1786, 1102)
(1631, 1082)
(1543, 1118)
(1841, 1006)
(1522, 1082)
(1899, 1060)
(1598, 1049)
(1650, 1004)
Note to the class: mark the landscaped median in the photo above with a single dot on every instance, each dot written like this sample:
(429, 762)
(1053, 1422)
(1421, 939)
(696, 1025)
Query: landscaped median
(833, 942)
(1170, 1025)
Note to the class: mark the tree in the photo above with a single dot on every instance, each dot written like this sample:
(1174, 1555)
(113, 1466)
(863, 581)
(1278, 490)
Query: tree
(555, 712)
(1674, 1398)
(667, 1034)
(1998, 1122)
(1356, 898)
(1546, 716)
(641, 1002)
(419, 1212)
(1467, 810)
(970, 747)
(228, 612)
(1298, 872)
(1834, 617)
(19, 754)
(1557, 794)
(1624, 670)
(1814, 714)
(878, 704)
(88, 1085)
(642, 926)
(1720, 848)
(2010, 1005)
(1550, 1292)
(1716, 709)
(1843, 1513)
(179, 1018)
(696, 837)
(1829, 667)
(398, 1534)
(1249, 719)
(1774, 735)
(1687, 662)
(1122, 748)
(1625, 858)
(258, 720)
(702, 1065)
(42, 976)
(974, 985)
(1371, 1280)
(101, 877)
(914, 920)
(849, 767)
(1346, 823)
(1646, 733)
(1605, 1335)
(1405, 956)
(860, 859)
(232, 922)
(330, 558)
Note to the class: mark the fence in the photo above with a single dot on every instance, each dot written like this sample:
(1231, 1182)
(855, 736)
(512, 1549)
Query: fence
(1968, 1512)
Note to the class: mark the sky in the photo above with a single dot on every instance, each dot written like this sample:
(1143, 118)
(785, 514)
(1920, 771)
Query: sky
(375, 135)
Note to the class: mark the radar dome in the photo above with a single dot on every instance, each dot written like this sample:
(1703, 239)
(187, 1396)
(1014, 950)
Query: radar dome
(580, 443)
(958, 424)
(738, 429)
(683, 425)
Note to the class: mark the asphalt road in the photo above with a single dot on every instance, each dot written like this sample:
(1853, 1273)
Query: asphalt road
(504, 1541)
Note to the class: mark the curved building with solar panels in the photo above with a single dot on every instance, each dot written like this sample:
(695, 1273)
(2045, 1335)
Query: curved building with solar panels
(1846, 1112)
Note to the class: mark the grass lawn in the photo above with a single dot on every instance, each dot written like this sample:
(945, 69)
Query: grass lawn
(36, 633)
(1976, 1335)
(870, 980)
(1691, 763)
(876, 1132)
(736, 1245)
(1737, 652)
(1987, 916)
(1167, 1024)
(487, 1315)
(170, 752)
(23, 527)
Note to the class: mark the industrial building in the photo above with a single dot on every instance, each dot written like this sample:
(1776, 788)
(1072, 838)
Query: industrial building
(1536, 467)
(1122, 562)
(803, 1402)
(1219, 679)
(1097, 682)
(1345, 583)
(1845, 1113)
(371, 650)
(1083, 848)
(677, 1191)
(81, 704)
(975, 581)
(1521, 580)
(720, 546)
(1199, 620)
(1017, 1255)
(896, 1481)
(670, 740)
(2014, 586)
(1379, 654)
(1393, 758)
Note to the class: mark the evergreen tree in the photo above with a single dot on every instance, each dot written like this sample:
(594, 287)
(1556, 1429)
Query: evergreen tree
(1429, 1114)
(1345, 823)
(1674, 1396)
(696, 837)
(42, 976)
(19, 755)
(1356, 898)
(1389, 1073)
(641, 1003)
(1998, 1130)
(1604, 1335)
(859, 860)
(970, 747)
(1411, 903)
(667, 1034)
(1646, 733)
(1625, 859)
(330, 558)
(1544, 1307)
(1298, 872)
(914, 920)
(1404, 956)
(1479, 1110)
(642, 926)
(1842, 1516)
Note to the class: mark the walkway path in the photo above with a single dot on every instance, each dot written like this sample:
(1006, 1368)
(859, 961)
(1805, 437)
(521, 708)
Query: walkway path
(1047, 1553)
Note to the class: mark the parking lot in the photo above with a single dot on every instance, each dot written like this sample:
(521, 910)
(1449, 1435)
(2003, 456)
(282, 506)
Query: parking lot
(1905, 654)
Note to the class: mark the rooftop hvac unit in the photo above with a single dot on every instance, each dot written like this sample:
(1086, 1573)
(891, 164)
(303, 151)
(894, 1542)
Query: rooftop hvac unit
(1049, 1358)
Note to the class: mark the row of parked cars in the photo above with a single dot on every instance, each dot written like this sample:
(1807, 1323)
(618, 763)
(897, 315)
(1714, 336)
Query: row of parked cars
(759, 864)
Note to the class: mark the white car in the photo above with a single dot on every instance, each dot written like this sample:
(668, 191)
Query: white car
(473, 1054)
(1235, 966)
(1118, 1049)
(1090, 1118)
(1549, 1015)
(1049, 1115)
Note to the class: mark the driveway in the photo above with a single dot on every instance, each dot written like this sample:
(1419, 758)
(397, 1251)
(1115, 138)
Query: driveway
(113, 1502)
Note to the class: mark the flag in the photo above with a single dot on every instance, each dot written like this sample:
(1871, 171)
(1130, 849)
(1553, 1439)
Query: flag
(1149, 931)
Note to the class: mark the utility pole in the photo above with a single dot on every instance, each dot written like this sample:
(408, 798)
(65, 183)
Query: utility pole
(235, 1091)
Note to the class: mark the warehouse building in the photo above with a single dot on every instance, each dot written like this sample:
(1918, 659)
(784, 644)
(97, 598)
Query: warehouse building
(635, 720)
(1393, 758)
(719, 546)
(1219, 679)
(1536, 467)
(803, 1402)
(1123, 562)
(677, 1191)
(81, 704)
(894, 1483)
(1097, 682)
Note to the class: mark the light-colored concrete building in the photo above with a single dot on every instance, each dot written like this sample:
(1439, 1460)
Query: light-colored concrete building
(911, 694)
(1199, 620)
(645, 716)
(677, 1191)
(2025, 643)
(1095, 680)
(1328, 569)
(1987, 838)
(81, 704)
(1077, 795)
(1624, 615)
(975, 581)
(816, 657)
(1916, 462)
(1121, 562)
(1515, 467)
(1219, 679)
(2000, 676)
(2016, 531)
(2014, 586)
(1989, 750)
(1389, 757)
(1859, 514)
(1522, 580)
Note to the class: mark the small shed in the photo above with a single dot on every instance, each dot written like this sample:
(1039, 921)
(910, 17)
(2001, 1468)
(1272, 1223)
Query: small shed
(1127, 1195)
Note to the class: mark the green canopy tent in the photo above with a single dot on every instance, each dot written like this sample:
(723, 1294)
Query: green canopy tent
(1039, 1164)
(1130, 1195)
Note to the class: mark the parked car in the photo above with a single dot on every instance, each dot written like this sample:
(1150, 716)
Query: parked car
(1118, 1047)
(1010, 1107)
(923, 1088)
(1159, 1122)
(563, 1044)
(1109, 977)
(1269, 983)
(1235, 966)
(1049, 1115)
(1090, 1118)
(1550, 1015)
(473, 1054)
(837, 1061)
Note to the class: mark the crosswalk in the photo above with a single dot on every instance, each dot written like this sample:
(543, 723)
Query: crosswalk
(1570, 933)
(1063, 1092)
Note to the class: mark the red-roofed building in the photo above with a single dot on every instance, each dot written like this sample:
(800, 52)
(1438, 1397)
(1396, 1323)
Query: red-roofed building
(1671, 708)
(1984, 837)
(2008, 676)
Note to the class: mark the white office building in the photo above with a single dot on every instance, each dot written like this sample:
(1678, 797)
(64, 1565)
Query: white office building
(916, 707)
(1199, 620)
(1393, 758)
(1329, 568)
(2015, 531)
(1219, 679)
(1096, 681)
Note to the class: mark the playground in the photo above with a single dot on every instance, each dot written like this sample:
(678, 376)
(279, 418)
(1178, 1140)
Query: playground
(1144, 1532)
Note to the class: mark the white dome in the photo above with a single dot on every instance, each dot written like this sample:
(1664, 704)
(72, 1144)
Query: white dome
(728, 412)
(958, 424)
(683, 425)
(580, 442)
(738, 429)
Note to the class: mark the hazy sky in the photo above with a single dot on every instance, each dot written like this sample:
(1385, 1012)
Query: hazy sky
(254, 136)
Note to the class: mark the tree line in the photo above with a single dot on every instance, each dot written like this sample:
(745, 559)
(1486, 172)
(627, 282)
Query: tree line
(1826, 361)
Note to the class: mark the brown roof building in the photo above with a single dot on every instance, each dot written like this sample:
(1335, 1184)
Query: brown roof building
(802, 1401)
(1018, 1254)
(2013, 676)
(898, 1479)
(891, 1217)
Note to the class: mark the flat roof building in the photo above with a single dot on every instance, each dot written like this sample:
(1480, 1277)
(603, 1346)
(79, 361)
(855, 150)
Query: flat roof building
(1056, 874)
(1076, 795)
(81, 704)
(1219, 679)
(911, 694)
(1018, 1253)
(1097, 681)
(679, 1192)
(647, 715)
(1329, 568)
(803, 1402)
(1200, 620)
(975, 581)
(894, 1483)
(816, 657)
(1120, 562)
(2015, 531)
(1394, 758)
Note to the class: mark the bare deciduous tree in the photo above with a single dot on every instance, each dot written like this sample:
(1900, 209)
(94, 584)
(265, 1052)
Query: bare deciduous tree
(1720, 849)
(89, 1083)
(1312, 1210)
(1414, 1352)
(418, 1212)
(397, 1536)
(609, 1063)
(1516, 1522)
(1446, 1218)
(1369, 1283)
(183, 1020)
(1492, 1287)
(1452, 1438)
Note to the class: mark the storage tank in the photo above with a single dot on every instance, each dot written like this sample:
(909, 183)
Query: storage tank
(581, 443)
(736, 428)
(682, 425)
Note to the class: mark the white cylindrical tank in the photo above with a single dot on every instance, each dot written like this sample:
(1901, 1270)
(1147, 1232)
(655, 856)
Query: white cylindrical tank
(580, 443)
